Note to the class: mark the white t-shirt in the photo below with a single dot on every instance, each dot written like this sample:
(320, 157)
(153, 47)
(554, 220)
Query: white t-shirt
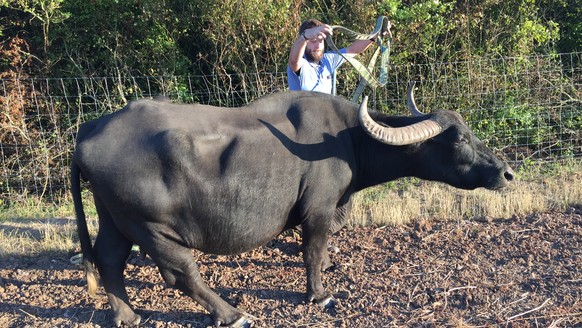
(316, 77)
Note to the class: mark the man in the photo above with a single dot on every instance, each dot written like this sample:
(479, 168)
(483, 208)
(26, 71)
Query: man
(310, 68)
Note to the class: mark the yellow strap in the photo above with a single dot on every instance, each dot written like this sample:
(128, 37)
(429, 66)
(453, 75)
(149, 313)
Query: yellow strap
(365, 72)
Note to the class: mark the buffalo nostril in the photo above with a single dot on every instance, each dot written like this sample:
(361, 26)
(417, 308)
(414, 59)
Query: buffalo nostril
(508, 174)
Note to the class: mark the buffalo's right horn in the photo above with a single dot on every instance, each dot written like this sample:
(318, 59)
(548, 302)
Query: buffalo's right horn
(399, 136)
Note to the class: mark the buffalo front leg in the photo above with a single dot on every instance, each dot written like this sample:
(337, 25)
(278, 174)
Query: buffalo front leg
(316, 259)
(178, 268)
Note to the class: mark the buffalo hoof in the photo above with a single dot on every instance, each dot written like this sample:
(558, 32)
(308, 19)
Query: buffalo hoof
(243, 322)
(332, 249)
(131, 322)
(326, 302)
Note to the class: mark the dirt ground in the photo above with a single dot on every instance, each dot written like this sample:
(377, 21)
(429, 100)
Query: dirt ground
(513, 272)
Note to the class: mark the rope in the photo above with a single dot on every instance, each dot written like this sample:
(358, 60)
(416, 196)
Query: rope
(382, 25)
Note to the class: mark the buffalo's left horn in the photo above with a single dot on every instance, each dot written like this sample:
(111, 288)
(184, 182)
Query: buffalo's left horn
(399, 136)
(410, 99)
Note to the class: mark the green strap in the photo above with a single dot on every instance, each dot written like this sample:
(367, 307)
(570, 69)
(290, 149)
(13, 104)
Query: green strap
(365, 72)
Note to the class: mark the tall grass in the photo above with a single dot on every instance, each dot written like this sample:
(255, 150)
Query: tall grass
(538, 188)
(34, 226)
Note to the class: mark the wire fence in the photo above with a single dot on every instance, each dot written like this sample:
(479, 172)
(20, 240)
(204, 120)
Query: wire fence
(528, 109)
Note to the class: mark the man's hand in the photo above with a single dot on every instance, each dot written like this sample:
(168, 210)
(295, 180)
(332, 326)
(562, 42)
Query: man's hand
(317, 33)
(386, 30)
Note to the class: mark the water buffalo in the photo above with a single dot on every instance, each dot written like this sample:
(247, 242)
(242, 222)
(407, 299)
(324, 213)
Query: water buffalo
(171, 177)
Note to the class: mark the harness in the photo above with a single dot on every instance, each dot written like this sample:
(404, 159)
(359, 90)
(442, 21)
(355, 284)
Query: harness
(383, 50)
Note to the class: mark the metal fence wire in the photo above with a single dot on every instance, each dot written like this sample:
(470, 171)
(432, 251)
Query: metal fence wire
(527, 108)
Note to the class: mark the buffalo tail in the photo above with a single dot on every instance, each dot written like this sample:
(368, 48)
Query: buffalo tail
(82, 230)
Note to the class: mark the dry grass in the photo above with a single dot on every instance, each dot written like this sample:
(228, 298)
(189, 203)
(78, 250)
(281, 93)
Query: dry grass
(36, 227)
(536, 189)
(21, 236)
(27, 237)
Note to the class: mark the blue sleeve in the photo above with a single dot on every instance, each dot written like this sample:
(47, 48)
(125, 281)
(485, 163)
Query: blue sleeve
(293, 80)
(336, 60)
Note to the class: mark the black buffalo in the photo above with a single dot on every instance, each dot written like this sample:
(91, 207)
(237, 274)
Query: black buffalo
(171, 177)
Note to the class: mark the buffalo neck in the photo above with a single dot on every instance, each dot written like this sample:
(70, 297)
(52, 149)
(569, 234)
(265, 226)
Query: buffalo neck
(379, 163)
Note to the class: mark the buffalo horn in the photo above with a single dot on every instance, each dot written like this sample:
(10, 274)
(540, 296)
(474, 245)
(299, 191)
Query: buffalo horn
(399, 136)
(410, 99)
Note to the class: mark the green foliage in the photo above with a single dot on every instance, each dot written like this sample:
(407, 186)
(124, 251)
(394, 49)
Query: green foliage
(523, 125)
(179, 37)
(428, 26)
(42, 13)
(113, 37)
(253, 37)
(565, 14)
(451, 30)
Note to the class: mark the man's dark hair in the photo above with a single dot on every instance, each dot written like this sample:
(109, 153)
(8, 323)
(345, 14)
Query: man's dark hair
(309, 24)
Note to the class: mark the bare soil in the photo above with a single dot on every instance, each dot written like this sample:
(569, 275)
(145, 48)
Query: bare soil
(514, 272)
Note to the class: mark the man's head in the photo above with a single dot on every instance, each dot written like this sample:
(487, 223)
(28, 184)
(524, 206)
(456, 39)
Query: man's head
(309, 24)
(316, 46)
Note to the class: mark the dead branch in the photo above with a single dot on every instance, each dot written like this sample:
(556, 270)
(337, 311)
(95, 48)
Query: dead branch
(529, 311)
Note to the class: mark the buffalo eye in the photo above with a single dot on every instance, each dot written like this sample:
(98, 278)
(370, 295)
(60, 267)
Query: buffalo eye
(465, 153)
(462, 138)
(460, 141)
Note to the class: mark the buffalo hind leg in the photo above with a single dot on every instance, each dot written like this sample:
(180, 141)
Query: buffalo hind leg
(316, 260)
(340, 218)
(178, 268)
(111, 252)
